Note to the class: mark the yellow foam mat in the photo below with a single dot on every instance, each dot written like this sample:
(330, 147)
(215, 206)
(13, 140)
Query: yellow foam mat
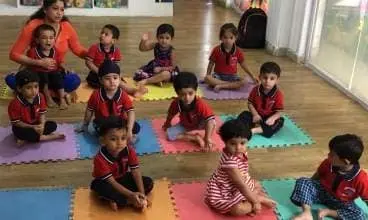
(167, 91)
(6, 92)
(88, 207)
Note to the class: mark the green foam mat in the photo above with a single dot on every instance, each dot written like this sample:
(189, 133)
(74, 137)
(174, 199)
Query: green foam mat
(290, 134)
(280, 190)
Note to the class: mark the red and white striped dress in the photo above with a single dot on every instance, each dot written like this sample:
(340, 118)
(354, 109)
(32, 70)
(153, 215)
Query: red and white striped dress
(221, 193)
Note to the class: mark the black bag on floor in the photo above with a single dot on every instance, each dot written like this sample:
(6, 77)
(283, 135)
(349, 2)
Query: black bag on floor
(252, 29)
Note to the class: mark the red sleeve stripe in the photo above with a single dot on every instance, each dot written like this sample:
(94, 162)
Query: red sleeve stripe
(134, 166)
(91, 109)
(42, 111)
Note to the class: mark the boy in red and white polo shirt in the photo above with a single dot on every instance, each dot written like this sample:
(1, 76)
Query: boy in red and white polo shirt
(265, 103)
(194, 113)
(225, 58)
(116, 168)
(338, 181)
(109, 100)
(27, 112)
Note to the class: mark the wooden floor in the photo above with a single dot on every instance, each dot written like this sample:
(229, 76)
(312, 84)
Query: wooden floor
(317, 107)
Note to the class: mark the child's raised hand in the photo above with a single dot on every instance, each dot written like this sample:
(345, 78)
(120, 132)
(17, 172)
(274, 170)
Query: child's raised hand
(146, 36)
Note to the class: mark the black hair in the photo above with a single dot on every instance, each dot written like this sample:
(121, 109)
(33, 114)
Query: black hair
(43, 27)
(234, 128)
(108, 66)
(24, 77)
(228, 27)
(185, 80)
(40, 13)
(111, 122)
(165, 28)
(270, 67)
(347, 146)
(115, 30)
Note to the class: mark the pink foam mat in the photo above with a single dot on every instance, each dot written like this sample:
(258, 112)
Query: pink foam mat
(33, 152)
(189, 201)
(183, 146)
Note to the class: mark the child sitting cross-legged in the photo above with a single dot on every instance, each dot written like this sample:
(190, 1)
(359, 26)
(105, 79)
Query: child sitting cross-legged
(231, 190)
(27, 111)
(118, 178)
(194, 113)
(339, 180)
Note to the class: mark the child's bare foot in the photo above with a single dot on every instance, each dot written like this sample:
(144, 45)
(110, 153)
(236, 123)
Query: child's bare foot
(217, 88)
(20, 143)
(322, 213)
(305, 215)
(51, 103)
(53, 136)
(114, 206)
(63, 104)
(142, 83)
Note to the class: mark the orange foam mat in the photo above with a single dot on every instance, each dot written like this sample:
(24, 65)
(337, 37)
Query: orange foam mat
(88, 207)
(84, 92)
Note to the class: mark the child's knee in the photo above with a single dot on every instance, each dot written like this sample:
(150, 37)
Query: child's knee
(242, 208)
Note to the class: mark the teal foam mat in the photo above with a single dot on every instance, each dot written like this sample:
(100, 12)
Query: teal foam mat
(281, 190)
(290, 134)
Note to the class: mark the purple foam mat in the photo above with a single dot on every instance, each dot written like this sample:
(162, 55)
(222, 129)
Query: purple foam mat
(242, 93)
(44, 151)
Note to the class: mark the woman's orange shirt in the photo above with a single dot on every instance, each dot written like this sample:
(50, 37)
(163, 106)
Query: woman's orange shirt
(67, 39)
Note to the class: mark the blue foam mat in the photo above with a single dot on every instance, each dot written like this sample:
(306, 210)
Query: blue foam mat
(147, 142)
(281, 190)
(38, 204)
(290, 134)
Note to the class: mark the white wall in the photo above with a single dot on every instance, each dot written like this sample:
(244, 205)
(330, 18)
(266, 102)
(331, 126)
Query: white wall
(135, 8)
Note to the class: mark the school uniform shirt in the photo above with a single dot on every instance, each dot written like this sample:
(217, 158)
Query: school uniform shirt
(350, 186)
(226, 62)
(119, 105)
(221, 192)
(20, 109)
(105, 165)
(193, 115)
(37, 54)
(97, 54)
(266, 104)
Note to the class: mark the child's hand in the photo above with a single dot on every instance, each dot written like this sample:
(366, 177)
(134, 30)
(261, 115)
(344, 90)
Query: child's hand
(257, 118)
(208, 144)
(136, 199)
(157, 69)
(166, 125)
(146, 36)
(83, 128)
(257, 207)
(270, 121)
(47, 63)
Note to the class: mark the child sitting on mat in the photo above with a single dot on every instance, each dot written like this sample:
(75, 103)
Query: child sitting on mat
(338, 181)
(231, 190)
(163, 67)
(225, 58)
(109, 100)
(265, 103)
(107, 50)
(53, 79)
(27, 112)
(194, 113)
(116, 168)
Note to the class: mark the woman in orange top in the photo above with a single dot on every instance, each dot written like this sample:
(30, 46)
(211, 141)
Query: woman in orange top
(52, 13)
